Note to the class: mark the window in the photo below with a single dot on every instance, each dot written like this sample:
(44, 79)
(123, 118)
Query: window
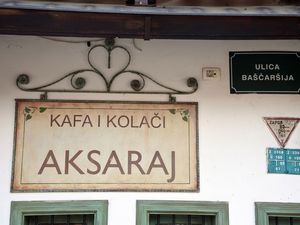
(173, 219)
(83, 219)
(182, 213)
(277, 213)
(59, 213)
(279, 220)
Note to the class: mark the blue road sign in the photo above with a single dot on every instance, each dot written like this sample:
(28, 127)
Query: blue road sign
(284, 161)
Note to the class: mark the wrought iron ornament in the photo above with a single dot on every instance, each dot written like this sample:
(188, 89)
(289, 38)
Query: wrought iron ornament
(78, 82)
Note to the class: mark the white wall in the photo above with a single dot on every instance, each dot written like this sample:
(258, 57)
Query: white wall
(232, 135)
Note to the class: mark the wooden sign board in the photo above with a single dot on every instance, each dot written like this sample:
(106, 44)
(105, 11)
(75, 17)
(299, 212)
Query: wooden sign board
(105, 146)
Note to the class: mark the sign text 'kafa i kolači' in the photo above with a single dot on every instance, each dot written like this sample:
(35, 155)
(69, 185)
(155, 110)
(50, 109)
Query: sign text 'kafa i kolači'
(76, 146)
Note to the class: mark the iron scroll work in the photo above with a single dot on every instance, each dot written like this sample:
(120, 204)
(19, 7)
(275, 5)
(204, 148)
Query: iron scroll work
(78, 82)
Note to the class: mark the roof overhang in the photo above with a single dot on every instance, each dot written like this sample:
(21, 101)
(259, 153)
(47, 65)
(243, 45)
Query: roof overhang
(98, 20)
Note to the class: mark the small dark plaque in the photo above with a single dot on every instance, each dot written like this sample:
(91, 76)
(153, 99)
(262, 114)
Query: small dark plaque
(264, 72)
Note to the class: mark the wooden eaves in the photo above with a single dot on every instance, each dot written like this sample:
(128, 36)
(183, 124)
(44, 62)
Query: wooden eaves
(79, 20)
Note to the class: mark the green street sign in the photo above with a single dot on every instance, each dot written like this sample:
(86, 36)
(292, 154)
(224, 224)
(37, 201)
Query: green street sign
(264, 72)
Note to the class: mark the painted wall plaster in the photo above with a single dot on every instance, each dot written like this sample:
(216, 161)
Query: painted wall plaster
(232, 135)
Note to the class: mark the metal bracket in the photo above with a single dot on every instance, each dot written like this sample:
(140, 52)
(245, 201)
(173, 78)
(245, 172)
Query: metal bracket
(172, 99)
(78, 82)
(44, 96)
(147, 27)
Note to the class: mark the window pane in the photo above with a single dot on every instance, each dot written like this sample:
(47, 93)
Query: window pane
(284, 220)
(60, 220)
(296, 221)
(175, 219)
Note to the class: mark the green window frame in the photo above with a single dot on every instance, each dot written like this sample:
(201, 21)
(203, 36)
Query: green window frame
(263, 210)
(21, 209)
(147, 207)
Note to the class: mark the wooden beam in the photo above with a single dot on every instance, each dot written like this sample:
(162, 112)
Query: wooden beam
(89, 24)
(225, 27)
(57, 23)
(191, 2)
